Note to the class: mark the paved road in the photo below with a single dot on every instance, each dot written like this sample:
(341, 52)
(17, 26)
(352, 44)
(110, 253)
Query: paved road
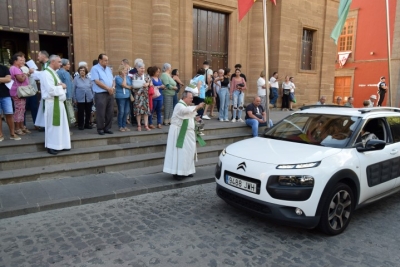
(191, 227)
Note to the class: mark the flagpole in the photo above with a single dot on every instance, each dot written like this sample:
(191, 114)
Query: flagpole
(266, 59)
(389, 52)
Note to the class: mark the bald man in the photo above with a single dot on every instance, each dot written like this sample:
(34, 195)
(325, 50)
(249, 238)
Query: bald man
(255, 115)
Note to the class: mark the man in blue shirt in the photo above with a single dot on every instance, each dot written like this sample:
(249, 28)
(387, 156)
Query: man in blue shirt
(103, 88)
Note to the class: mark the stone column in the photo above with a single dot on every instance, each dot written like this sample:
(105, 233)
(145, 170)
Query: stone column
(81, 27)
(119, 39)
(161, 41)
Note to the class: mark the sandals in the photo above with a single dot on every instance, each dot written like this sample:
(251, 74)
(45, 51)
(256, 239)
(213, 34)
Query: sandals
(25, 130)
(127, 129)
(122, 129)
(19, 132)
(147, 128)
(139, 128)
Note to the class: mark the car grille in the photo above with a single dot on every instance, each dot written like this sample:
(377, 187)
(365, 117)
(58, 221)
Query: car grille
(243, 202)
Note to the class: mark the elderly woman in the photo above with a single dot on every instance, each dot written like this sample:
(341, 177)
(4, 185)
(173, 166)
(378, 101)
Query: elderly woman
(65, 77)
(83, 97)
(123, 87)
(168, 92)
(141, 107)
(20, 79)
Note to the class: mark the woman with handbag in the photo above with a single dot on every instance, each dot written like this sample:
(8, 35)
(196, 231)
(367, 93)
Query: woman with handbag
(141, 106)
(83, 97)
(168, 92)
(20, 80)
(154, 73)
(123, 87)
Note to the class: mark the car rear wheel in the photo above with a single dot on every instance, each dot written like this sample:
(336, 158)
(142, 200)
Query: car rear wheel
(337, 210)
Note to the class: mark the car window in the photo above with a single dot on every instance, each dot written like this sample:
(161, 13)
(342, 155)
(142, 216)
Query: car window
(316, 129)
(394, 124)
(372, 129)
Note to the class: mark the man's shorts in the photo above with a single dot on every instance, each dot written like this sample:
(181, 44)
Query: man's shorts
(6, 107)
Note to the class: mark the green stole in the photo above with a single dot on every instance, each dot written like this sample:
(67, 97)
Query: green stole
(182, 133)
(56, 109)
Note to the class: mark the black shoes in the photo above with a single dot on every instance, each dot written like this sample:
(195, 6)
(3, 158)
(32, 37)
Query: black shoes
(52, 151)
(88, 127)
(181, 177)
(101, 132)
(81, 128)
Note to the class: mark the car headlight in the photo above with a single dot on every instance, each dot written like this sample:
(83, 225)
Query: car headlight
(223, 153)
(296, 180)
(299, 166)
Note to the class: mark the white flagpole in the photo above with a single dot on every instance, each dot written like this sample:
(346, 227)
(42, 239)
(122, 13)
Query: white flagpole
(389, 53)
(266, 59)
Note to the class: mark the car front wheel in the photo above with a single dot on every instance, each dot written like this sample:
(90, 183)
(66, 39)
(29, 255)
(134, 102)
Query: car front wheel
(337, 210)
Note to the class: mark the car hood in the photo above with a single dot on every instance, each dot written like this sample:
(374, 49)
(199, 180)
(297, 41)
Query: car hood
(279, 152)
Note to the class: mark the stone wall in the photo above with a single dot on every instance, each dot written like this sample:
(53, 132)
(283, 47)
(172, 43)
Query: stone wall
(160, 31)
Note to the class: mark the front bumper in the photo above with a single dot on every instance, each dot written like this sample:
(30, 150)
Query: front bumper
(283, 214)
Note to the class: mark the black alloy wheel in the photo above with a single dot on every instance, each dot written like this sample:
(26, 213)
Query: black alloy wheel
(337, 210)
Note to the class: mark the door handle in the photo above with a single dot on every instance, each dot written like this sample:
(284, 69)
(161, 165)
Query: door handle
(394, 152)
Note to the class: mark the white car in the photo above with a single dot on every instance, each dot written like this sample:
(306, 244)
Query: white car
(315, 167)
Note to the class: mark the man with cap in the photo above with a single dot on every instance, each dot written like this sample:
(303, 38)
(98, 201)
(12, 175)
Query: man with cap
(372, 100)
(382, 89)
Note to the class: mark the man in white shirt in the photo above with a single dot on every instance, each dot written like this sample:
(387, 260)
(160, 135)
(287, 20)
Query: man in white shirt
(57, 135)
(262, 89)
(273, 81)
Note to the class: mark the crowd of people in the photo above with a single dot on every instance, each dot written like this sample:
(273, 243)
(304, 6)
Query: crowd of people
(138, 92)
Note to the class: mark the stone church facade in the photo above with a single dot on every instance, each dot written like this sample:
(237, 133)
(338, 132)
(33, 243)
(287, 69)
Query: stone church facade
(183, 33)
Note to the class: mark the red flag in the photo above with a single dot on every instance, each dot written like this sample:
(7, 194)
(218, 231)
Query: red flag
(245, 5)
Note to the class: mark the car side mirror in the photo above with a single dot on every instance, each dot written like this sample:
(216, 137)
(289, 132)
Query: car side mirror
(371, 145)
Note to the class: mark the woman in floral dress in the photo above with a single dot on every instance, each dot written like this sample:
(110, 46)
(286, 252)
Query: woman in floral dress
(141, 107)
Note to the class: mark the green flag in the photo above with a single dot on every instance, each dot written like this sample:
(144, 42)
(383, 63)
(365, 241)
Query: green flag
(343, 11)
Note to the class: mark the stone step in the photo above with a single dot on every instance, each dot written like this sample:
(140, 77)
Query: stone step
(36, 196)
(89, 138)
(98, 166)
(34, 159)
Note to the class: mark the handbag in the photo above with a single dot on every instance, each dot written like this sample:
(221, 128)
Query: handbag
(69, 108)
(26, 91)
(156, 92)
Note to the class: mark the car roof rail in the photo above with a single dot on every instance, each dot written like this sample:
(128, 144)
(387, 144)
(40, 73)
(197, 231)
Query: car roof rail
(375, 109)
(322, 106)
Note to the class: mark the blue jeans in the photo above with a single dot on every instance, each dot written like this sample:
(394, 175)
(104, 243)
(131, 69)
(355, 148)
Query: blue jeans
(32, 103)
(123, 111)
(175, 99)
(223, 103)
(238, 98)
(254, 124)
(274, 96)
(157, 106)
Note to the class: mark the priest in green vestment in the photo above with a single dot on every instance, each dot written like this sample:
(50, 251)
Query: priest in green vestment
(181, 145)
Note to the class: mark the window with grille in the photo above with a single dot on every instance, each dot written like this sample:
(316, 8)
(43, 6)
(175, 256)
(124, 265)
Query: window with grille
(347, 36)
(307, 62)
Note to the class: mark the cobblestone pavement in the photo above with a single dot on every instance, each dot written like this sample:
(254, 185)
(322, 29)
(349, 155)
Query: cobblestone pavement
(192, 227)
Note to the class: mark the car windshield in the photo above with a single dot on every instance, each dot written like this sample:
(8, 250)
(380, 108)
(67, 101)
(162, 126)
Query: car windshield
(315, 129)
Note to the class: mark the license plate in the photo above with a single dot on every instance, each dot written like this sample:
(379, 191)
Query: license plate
(242, 184)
